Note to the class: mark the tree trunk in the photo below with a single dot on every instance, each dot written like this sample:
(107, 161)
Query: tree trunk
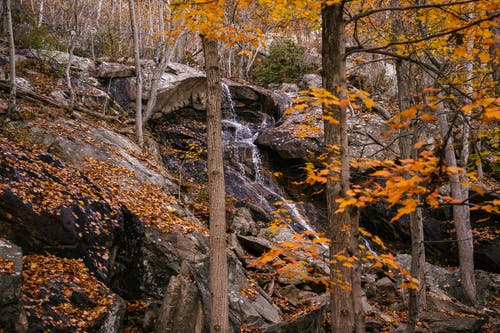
(166, 56)
(216, 189)
(39, 20)
(461, 215)
(12, 108)
(346, 307)
(408, 137)
(138, 80)
(71, 48)
(67, 72)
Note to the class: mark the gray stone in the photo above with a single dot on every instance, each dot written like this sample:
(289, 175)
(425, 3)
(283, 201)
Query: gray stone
(447, 323)
(311, 81)
(254, 245)
(79, 63)
(118, 150)
(113, 70)
(243, 223)
(113, 318)
(12, 315)
(311, 322)
(181, 311)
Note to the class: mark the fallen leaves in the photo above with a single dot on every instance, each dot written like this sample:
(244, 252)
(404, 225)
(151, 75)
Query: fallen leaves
(7, 266)
(50, 289)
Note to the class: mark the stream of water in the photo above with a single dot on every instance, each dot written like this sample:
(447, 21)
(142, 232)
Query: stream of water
(238, 140)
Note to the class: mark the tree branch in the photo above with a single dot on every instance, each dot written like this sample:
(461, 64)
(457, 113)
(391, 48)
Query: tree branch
(353, 50)
(398, 8)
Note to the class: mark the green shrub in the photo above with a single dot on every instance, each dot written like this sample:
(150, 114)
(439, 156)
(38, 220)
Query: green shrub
(286, 63)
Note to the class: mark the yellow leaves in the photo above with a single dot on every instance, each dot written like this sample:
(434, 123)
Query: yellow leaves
(314, 175)
(428, 117)
(330, 119)
(484, 56)
(408, 206)
(460, 51)
(369, 103)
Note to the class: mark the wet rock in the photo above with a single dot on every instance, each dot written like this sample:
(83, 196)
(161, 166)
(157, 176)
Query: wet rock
(447, 323)
(12, 315)
(288, 146)
(255, 98)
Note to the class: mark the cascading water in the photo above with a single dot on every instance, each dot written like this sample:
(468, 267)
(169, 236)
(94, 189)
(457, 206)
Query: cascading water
(245, 174)
(238, 139)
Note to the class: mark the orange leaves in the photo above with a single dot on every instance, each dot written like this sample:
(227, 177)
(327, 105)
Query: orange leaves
(7, 266)
(47, 275)
(314, 175)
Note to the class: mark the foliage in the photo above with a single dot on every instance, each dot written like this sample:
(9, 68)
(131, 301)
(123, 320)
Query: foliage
(302, 256)
(42, 182)
(286, 63)
(50, 286)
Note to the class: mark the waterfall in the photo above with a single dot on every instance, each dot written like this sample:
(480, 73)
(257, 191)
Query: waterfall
(238, 140)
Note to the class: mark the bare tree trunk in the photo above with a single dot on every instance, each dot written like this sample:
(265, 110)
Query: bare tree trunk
(347, 314)
(460, 214)
(166, 56)
(219, 322)
(408, 137)
(67, 72)
(12, 108)
(39, 20)
(138, 82)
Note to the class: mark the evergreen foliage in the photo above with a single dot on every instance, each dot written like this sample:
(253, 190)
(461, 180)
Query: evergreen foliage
(286, 63)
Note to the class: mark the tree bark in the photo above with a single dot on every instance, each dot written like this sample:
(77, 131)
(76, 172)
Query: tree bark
(12, 108)
(218, 262)
(138, 79)
(461, 215)
(347, 314)
(408, 137)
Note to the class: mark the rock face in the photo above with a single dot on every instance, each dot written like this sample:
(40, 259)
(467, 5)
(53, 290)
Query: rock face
(182, 309)
(74, 229)
(447, 323)
(110, 70)
(180, 86)
(12, 315)
(309, 322)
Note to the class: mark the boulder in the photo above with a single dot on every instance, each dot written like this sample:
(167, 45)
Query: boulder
(311, 322)
(254, 245)
(387, 292)
(439, 322)
(243, 223)
(180, 86)
(112, 320)
(311, 81)
(98, 143)
(65, 214)
(113, 70)
(181, 311)
(12, 315)
(62, 58)
(257, 99)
